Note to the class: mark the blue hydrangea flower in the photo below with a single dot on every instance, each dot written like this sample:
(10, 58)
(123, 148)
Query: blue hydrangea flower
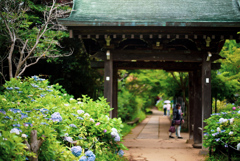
(42, 95)
(17, 88)
(49, 90)
(16, 125)
(44, 111)
(76, 151)
(34, 85)
(9, 88)
(120, 152)
(20, 91)
(14, 110)
(44, 123)
(89, 153)
(72, 125)
(83, 158)
(91, 159)
(80, 118)
(2, 111)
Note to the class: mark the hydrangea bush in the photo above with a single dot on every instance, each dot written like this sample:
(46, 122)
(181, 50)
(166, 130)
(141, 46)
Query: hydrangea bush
(64, 128)
(222, 129)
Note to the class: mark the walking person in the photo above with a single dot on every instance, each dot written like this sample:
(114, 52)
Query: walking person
(164, 109)
(168, 109)
(177, 120)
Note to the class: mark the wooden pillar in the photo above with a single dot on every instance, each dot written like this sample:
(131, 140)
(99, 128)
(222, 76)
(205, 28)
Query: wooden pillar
(115, 93)
(206, 88)
(191, 106)
(108, 80)
(197, 109)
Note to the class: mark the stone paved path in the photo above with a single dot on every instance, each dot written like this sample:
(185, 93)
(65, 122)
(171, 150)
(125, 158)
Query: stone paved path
(149, 141)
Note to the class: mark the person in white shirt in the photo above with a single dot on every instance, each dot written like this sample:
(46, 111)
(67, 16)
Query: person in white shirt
(168, 109)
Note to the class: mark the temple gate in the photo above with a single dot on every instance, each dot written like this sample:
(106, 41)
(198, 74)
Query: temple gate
(183, 35)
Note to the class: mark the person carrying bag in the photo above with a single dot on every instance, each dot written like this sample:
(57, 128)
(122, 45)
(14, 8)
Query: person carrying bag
(177, 120)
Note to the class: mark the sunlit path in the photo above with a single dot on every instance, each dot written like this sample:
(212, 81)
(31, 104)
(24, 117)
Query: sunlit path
(149, 141)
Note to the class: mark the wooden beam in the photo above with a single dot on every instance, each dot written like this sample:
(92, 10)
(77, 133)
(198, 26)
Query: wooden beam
(108, 82)
(206, 92)
(173, 66)
(155, 55)
(197, 108)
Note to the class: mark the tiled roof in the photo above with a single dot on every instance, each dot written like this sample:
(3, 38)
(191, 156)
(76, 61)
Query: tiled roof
(154, 12)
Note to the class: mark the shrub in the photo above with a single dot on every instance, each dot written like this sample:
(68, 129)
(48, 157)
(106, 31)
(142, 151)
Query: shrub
(59, 121)
(222, 129)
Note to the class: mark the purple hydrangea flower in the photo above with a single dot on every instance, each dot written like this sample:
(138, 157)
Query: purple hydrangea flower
(72, 125)
(117, 138)
(56, 117)
(217, 139)
(98, 123)
(27, 124)
(23, 115)
(120, 152)
(69, 139)
(76, 151)
(104, 130)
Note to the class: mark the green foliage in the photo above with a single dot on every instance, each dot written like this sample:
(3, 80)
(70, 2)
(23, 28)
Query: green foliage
(32, 104)
(28, 32)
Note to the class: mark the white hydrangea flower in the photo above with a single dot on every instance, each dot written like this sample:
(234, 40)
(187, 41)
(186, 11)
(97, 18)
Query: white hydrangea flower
(92, 120)
(80, 111)
(114, 130)
(69, 139)
(114, 134)
(66, 104)
(238, 146)
(65, 94)
(15, 130)
(66, 134)
(218, 129)
(71, 99)
(231, 120)
(239, 112)
(86, 115)
(107, 117)
(24, 136)
(79, 102)
(230, 133)
(222, 120)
